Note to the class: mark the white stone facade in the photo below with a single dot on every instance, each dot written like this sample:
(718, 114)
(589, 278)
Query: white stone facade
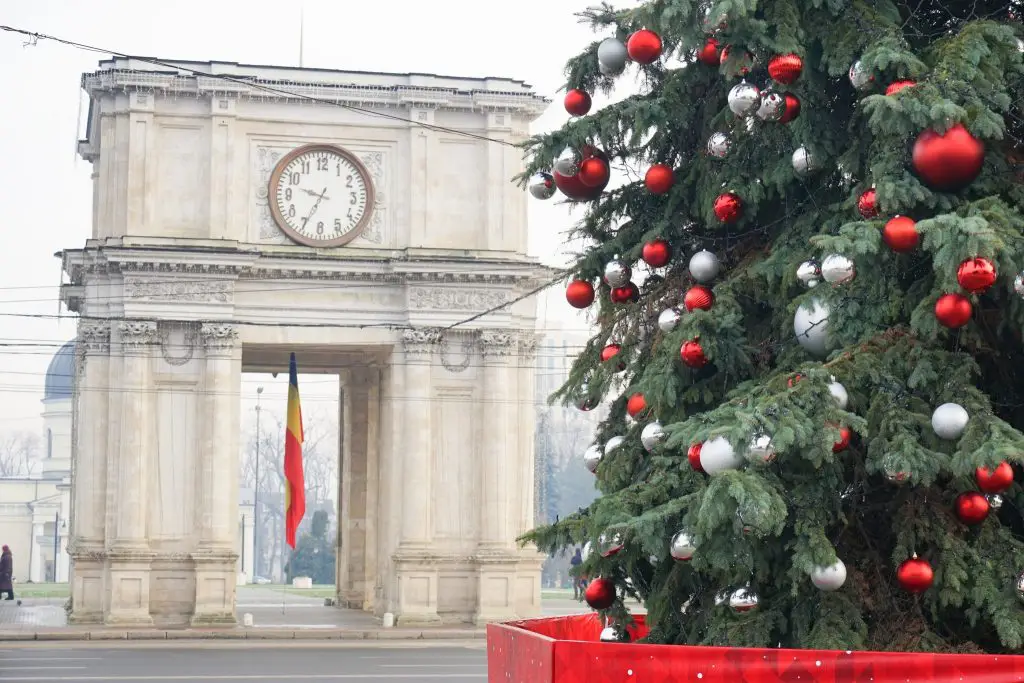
(187, 281)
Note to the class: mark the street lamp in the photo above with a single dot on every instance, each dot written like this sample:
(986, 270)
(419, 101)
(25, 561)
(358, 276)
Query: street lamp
(256, 496)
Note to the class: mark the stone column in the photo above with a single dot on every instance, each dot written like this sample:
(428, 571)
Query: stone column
(215, 559)
(416, 572)
(129, 553)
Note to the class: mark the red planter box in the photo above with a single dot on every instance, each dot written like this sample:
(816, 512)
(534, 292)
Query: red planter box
(568, 650)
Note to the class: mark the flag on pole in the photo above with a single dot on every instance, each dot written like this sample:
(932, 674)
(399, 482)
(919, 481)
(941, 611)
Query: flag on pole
(295, 484)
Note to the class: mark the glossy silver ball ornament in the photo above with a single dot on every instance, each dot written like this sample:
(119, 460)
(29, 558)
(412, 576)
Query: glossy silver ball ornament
(829, 578)
(584, 401)
(651, 435)
(837, 269)
(542, 185)
(744, 99)
(610, 73)
(810, 324)
(592, 457)
(568, 162)
(617, 273)
(773, 106)
(718, 145)
(743, 600)
(804, 161)
(683, 547)
(761, 451)
(1019, 585)
(995, 501)
(1018, 285)
(949, 421)
(611, 634)
(585, 553)
(839, 393)
(809, 273)
(613, 443)
(718, 455)
(668, 319)
(860, 78)
(612, 56)
(704, 266)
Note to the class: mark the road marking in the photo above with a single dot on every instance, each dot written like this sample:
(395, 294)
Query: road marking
(42, 668)
(50, 659)
(243, 677)
(421, 666)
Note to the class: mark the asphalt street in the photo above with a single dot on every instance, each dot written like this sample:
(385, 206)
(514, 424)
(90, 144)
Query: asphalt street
(200, 663)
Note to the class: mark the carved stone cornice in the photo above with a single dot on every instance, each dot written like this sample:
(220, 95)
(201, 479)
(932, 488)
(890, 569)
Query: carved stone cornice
(498, 343)
(93, 336)
(421, 342)
(218, 337)
(211, 291)
(457, 299)
(137, 335)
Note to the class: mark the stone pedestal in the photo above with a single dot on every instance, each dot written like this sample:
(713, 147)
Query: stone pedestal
(216, 580)
(129, 572)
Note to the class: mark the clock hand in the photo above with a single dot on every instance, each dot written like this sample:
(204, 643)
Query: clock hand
(316, 204)
(314, 194)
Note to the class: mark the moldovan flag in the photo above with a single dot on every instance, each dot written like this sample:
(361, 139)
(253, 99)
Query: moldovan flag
(295, 484)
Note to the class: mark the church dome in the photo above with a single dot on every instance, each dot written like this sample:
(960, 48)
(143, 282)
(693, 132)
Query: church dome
(60, 376)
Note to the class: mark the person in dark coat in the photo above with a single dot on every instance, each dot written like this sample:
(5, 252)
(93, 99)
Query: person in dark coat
(6, 573)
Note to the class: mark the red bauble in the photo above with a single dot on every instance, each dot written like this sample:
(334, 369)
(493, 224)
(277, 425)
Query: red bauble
(709, 54)
(579, 293)
(572, 186)
(867, 204)
(577, 102)
(950, 161)
(953, 310)
(625, 294)
(636, 405)
(791, 382)
(594, 172)
(896, 86)
(609, 352)
(971, 507)
(644, 46)
(659, 179)
(693, 455)
(785, 69)
(600, 593)
(900, 233)
(976, 274)
(692, 354)
(792, 109)
(994, 481)
(728, 207)
(700, 297)
(656, 253)
(844, 440)
(915, 575)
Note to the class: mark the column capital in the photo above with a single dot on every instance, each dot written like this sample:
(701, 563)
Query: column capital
(498, 343)
(94, 336)
(137, 335)
(421, 342)
(218, 337)
(528, 345)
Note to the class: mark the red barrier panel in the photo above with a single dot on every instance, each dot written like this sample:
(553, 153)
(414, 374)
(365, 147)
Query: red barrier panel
(568, 650)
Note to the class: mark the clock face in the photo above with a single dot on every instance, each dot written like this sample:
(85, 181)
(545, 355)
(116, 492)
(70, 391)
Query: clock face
(321, 196)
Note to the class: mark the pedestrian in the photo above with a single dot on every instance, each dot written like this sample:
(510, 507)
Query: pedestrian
(576, 561)
(6, 573)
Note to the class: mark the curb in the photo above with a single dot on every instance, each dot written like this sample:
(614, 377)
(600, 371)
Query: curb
(246, 634)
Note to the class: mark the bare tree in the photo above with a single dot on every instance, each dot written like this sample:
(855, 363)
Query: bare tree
(18, 451)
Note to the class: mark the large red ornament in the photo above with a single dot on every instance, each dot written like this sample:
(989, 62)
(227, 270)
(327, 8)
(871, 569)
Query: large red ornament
(785, 69)
(996, 480)
(976, 274)
(915, 575)
(700, 297)
(659, 178)
(600, 593)
(867, 204)
(644, 46)
(792, 109)
(896, 86)
(953, 310)
(609, 352)
(845, 434)
(579, 293)
(900, 233)
(971, 507)
(692, 354)
(709, 54)
(656, 253)
(950, 161)
(728, 207)
(693, 455)
(577, 102)
(625, 294)
(594, 172)
(636, 404)
(572, 186)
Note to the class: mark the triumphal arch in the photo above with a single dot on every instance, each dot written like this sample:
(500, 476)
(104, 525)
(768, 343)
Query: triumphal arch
(244, 212)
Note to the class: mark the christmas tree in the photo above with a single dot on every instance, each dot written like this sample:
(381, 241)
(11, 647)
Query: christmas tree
(807, 292)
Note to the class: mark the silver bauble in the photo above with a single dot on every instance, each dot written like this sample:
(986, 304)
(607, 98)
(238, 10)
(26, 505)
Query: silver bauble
(568, 162)
(809, 273)
(610, 73)
(1019, 585)
(718, 455)
(773, 106)
(592, 457)
(829, 578)
(613, 443)
(761, 451)
(1020, 45)
(859, 76)
(837, 269)
(617, 273)
(803, 161)
(949, 421)
(743, 600)
(651, 435)
(718, 145)
(683, 547)
(585, 553)
(704, 266)
(612, 55)
(744, 99)
(810, 324)
(668, 319)
(839, 393)
(611, 634)
(1018, 285)
(722, 596)
(995, 501)
(584, 401)
(542, 185)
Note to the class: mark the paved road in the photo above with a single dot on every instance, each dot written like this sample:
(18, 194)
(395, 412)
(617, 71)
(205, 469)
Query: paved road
(249, 662)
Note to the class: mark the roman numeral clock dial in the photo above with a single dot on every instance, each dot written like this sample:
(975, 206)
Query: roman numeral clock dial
(321, 196)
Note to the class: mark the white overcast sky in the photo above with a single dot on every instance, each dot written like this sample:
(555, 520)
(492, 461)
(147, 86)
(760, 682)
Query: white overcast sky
(45, 191)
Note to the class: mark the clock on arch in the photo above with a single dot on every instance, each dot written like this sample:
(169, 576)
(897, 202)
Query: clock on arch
(321, 195)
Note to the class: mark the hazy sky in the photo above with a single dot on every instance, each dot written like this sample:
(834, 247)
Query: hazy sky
(46, 190)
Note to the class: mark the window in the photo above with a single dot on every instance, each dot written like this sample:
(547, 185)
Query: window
(49, 443)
